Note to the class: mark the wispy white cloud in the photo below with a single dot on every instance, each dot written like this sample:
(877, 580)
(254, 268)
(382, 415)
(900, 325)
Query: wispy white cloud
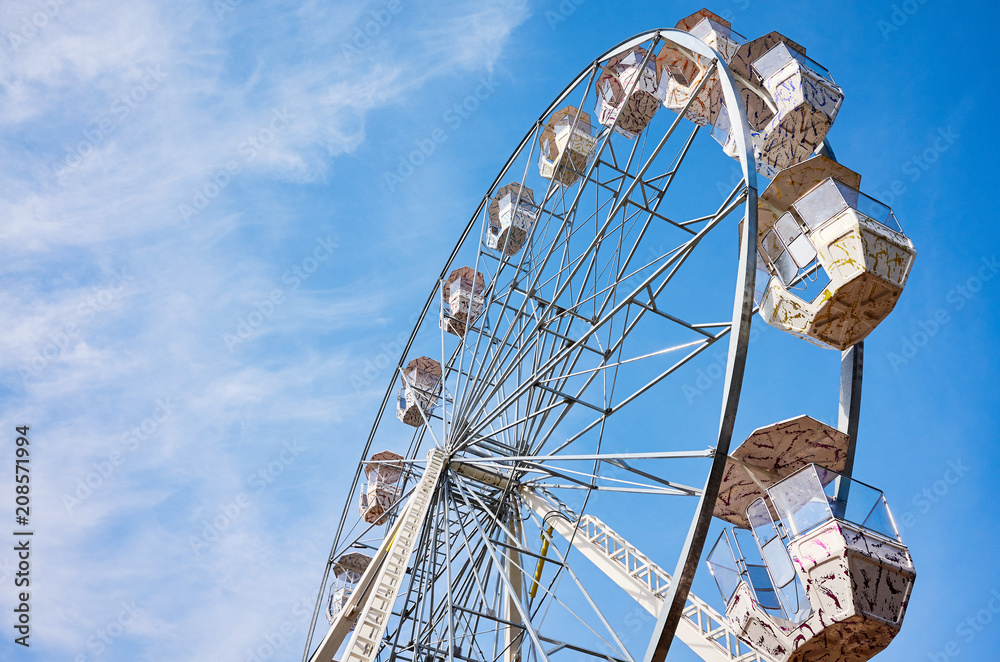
(113, 117)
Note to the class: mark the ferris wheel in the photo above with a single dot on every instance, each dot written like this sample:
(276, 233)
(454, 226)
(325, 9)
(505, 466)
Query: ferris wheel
(544, 395)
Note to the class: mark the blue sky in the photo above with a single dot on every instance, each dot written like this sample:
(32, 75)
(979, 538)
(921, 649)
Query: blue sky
(210, 251)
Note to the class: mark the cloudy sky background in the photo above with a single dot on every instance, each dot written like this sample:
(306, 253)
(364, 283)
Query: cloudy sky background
(203, 253)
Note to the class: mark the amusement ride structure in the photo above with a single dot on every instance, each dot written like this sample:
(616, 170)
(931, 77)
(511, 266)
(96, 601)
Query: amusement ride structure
(565, 327)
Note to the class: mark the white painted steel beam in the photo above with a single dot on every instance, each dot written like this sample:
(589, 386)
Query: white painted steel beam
(513, 635)
(701, 628)
(371, 603)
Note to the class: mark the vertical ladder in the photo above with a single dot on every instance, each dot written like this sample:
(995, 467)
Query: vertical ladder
(701, 628)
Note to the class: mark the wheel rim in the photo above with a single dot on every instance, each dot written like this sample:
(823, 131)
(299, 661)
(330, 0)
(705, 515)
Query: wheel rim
(561, 317)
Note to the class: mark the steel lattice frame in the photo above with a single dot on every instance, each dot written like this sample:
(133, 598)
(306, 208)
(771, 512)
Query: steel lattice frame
(535, 382)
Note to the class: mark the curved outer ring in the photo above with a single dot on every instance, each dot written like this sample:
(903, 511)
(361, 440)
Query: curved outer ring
(683, 575)
(676, 597)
